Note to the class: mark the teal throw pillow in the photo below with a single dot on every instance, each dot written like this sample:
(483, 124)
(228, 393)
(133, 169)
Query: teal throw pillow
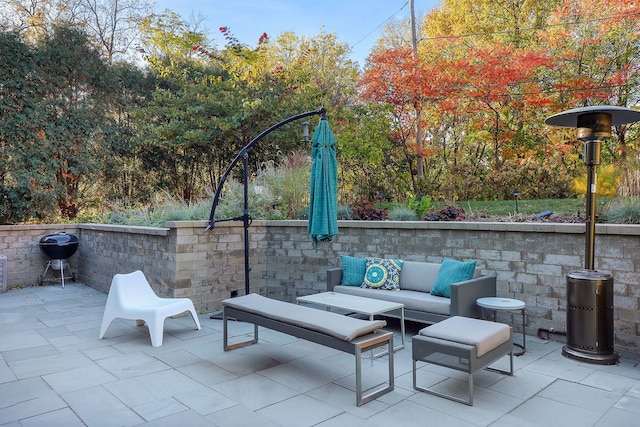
(382, 274)
(353, 270)
(452, 271)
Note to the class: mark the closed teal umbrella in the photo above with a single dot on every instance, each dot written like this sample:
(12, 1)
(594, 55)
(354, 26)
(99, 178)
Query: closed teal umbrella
(323, 203)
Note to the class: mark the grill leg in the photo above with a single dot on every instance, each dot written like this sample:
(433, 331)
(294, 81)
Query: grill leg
(46, 268)
(62, 272)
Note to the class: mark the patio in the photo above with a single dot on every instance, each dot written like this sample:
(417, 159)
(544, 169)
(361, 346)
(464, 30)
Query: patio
(55, 372)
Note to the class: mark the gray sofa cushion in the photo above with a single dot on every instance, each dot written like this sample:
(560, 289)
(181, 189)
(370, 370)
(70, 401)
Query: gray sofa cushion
(412, 300)
(326, 322)
(418, 276)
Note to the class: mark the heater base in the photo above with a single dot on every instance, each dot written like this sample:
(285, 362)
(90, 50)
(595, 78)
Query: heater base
(590, 332)
(599, 359)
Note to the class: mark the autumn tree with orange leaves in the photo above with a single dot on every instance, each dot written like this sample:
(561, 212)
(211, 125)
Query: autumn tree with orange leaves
(407, 85)
(491, 71)
(597, 58)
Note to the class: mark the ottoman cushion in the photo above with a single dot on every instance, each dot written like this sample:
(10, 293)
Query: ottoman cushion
(482, 334)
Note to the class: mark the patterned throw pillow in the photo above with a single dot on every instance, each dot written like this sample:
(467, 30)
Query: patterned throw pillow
(382, 274)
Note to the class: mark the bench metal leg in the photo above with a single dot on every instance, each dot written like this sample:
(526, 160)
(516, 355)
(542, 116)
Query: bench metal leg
(396, 348)
(357, 347)
(468, 401)
(373, 393)
(470, 368)
(431, 391)
(225, 335)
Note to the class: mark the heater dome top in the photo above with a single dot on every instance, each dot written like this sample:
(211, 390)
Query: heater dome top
(569, 118)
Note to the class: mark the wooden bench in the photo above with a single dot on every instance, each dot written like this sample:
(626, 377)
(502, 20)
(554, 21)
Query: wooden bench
(351, 335)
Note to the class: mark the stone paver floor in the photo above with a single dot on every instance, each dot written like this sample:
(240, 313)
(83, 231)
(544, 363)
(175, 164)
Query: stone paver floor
(55, 372)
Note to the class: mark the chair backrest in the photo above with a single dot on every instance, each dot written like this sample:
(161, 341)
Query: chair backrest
(132, 288)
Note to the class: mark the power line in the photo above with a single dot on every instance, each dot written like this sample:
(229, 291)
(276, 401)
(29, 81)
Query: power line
(379, 26)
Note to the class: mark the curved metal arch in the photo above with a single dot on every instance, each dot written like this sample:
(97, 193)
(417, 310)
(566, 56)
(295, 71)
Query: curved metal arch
(245, 217)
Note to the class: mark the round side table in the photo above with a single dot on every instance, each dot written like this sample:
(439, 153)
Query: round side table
(505, 304)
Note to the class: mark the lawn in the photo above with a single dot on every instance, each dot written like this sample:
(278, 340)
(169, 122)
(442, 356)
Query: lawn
(525, 207)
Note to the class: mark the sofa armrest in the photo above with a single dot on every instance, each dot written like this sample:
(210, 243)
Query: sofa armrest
(334, 278)
(464, 295)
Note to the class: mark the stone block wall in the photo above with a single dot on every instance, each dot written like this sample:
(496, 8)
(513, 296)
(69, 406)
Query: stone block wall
(182, 260)
(25, 260)
(105, 250)
(530, 260)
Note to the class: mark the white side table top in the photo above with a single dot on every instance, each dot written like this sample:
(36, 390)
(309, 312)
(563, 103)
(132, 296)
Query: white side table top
(497, 303)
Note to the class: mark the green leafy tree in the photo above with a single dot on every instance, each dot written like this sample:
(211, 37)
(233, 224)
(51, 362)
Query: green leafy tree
(211, 103)
(73, 85)
(367, 151)
(21, 192)
(183, 128)
(55, 124)
(124, 177)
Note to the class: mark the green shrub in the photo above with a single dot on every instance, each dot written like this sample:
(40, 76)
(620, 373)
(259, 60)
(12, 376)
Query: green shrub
(167, 208)
(345, 212)
(278, 192)
(421, 206)
(163, 208)
(262, 204)
(402, 213)
(288, 183)
(623, 211)
(446, 213)
(363, 210)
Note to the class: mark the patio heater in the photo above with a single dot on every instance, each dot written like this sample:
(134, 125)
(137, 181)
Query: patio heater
(590, 336)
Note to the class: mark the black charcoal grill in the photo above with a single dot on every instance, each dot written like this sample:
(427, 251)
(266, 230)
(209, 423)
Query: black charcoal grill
(58, 247)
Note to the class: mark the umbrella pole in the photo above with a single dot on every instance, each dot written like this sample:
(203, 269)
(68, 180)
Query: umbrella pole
(246, 219)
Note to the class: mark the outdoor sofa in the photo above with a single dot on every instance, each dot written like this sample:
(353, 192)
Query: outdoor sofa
(430, 292)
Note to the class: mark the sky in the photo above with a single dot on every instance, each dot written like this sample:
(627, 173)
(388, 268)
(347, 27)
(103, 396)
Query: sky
(357, 22)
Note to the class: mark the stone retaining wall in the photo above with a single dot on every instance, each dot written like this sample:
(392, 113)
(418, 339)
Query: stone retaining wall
(182, 260)
(25, 260)
(530, 260)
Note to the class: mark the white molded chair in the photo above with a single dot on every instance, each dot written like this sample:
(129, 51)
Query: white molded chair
(131, 297)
